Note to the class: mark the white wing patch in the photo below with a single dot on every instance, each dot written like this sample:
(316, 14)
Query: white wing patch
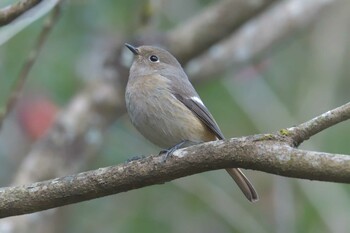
(197, 99)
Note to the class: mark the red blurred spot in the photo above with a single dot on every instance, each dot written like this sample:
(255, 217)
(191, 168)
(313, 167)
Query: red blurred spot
(36, 116)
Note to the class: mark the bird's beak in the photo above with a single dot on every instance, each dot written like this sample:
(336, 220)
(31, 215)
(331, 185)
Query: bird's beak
(132, 49)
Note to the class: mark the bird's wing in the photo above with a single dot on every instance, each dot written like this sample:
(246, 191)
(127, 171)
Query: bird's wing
(198, 108)
(183, 91)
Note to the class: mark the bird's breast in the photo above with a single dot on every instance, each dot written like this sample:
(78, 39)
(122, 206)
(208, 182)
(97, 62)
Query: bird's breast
(159, 116)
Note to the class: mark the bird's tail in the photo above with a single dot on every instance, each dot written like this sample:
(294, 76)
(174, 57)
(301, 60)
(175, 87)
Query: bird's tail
(243, 183)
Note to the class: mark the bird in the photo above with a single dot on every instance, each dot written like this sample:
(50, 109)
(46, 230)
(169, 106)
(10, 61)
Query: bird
(166, 109)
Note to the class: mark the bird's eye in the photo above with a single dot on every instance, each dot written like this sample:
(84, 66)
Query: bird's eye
(153, 58)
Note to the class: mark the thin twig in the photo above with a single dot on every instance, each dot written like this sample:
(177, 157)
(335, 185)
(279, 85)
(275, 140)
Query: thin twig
(32, 57)
(319, 123)
(10, 13)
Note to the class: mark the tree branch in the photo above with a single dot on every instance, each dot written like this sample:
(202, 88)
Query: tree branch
(319, 123)
(256, 37)
(10, 13)
(212, 24)
(271, 153)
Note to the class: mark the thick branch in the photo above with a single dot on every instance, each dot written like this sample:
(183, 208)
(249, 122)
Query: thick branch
(10, 13)
(249, 152)
(269, 153)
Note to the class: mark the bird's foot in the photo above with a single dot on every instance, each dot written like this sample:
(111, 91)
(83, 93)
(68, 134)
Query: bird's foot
(137, 157)
(166, 153)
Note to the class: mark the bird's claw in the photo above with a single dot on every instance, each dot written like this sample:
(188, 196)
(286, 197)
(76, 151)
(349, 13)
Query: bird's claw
(166, 153)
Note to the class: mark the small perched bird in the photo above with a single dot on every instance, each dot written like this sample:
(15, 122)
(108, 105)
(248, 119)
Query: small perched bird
(165, 108)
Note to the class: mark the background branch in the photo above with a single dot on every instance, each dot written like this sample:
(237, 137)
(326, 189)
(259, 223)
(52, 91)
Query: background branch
(259, 152)
(211, 25)
(257, 36)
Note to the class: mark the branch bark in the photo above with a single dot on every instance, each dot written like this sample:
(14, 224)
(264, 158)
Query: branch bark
(271, 153)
